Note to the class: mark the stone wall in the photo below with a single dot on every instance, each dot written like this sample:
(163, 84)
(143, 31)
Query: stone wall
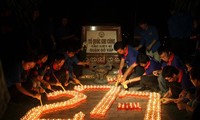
(4, 95)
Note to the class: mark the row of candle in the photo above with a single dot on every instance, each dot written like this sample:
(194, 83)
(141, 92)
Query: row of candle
(102, 107)
(129, 106)
(111, 78)
(125, 93)
(153, 111)
(91, 87)
(77, 116)
(37, 112)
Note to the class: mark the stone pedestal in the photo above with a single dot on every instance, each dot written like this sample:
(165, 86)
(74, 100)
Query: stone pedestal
(100, 72)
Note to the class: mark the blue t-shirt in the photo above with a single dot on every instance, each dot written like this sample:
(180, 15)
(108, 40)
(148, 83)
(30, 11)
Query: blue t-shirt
(69, 62)
(175, 61)
(148, 36)
(152, 66)
(130, 58)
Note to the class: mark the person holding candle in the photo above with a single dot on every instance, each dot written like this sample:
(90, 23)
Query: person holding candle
(147, 80)
(17, 76)
(128, 56)
(57, 74)
(168, 58)
(38, 72)
(179, 84)
(194, 101)
(71, 60)
(149, 39)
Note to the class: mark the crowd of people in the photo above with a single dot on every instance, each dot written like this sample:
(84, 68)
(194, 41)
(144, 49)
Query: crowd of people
(161, 68)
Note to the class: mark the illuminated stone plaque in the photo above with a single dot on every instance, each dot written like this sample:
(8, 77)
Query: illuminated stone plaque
(99, 42)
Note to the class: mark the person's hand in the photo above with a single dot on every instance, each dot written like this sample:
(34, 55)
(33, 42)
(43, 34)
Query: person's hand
(126, 82)
(137, 48)
(156, 72)
(181, 105)
(77, 81)
(167, 94)
(166, 100)
(178, 100)
(148, 48)
(41, 90)
(47, 85)
(58, 84)
(183, 93)
(119, 77)
(37, 96)
(122, 79)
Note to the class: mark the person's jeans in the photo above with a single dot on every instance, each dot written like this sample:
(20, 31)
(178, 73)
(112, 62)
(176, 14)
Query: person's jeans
(162, 83)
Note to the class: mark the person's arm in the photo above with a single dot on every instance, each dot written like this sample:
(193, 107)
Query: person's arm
(132, 80)
(138, 47)
(182, 106)
(168, 94)
(83, 63)
(121, 65)
(151, 45)
(25, 92)
(128, 72)
(155, 37)
(45, 83)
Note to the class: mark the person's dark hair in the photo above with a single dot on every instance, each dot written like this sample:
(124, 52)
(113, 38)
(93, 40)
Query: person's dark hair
(169, 70)
(29, 57)
(142, 58)
(71, 49)
(119, 45)
(143, 20)
(163, 49)
(195, 73)
(59, 56)
(190, 61)
(41, 54)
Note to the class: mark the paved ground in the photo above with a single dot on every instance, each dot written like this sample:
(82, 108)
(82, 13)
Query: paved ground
(169, 112)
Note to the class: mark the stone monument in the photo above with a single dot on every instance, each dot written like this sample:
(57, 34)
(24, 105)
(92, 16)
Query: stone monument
(98, 42)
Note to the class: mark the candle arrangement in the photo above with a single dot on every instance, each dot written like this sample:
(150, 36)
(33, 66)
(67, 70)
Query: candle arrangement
(153, 110)
(91, 87)
(129, 106)
(111, 78)
(140, 94)
(102, 107)
(37, 112)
